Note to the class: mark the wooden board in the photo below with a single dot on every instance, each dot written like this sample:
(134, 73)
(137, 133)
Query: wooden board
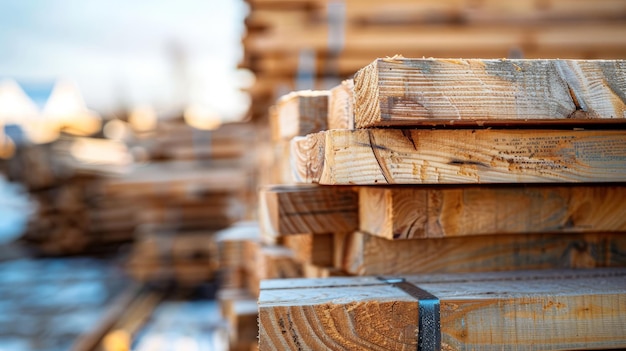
(314, 271)
(431, 212)
(312, 249)
(341, 106)
(231, 241)
(300, 113)
(268, 262)
(410, 92)
(587, 40)
(564, 310)
(398, 12)
(176, 179)
(366, 254)
(394, 156)
(304, 209)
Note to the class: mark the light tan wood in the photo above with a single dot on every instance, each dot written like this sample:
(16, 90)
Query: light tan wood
(366, 254)
(304, 209)
(393, 156)
(487, 11)
(518, 310)
(243, 321)
(410, 92)
(592, 40)
(268, 262)
(427, 212)
(314, 271)
(172, 179)
(397, 12)
(341, 106)
(300, 113)
(312, 249)
(231, 243)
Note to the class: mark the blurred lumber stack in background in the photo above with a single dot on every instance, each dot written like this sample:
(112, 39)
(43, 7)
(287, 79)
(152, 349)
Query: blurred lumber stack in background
(314, 44)
(199, 182)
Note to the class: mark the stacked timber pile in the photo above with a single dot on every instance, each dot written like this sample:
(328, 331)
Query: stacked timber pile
(483, 166)
(182, 204)
(244, 261)
(70, 214)
(522, 310)
(336, 38)
(173, 139)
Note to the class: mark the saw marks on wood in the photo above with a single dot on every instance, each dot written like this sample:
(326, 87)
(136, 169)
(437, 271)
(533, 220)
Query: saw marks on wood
(299, 113)
(528, 310)
(432, 212)
(365, 254)
(303, 209)
(409, 92)
(394, 156)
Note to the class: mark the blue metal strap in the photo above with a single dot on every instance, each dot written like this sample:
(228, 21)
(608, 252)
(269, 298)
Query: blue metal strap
(429, 324)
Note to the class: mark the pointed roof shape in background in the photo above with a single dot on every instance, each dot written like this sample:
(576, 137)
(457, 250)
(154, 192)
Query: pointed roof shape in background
(15, 106)
(18, 108)
(67, 107)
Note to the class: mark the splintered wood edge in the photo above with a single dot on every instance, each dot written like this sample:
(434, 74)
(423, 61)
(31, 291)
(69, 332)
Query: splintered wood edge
(367, 96)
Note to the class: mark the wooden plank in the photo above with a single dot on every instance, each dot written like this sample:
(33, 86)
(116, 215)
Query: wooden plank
(394, 156)
(398, 213)
(300, 113)
(176, 179)
(231, 241)
(304, 209)
(517, 310)
(366, 254)
(412, 92)
(586, 40)
(488, 11)
(341, 106)
(315, 271)
(313, 249)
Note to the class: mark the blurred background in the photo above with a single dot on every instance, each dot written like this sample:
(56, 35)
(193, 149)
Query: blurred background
(134, 137)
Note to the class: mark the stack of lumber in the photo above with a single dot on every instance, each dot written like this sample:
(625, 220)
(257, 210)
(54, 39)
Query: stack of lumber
(482, 166)
(70, 214)
(311, 44)
(173, 139)
(188, 258)
(182, 204)
(245, 260)
(522, 310)
(237, 297)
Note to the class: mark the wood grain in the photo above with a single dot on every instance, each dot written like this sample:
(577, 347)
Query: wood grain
(341, 106)
(299, 113)
(431, 212)
(314, 249)
(366, 254)
(304, 209)
(410, 92)
(529, 310)
(419, 156)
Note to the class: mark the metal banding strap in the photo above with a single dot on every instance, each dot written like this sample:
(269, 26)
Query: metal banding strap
(429, 324)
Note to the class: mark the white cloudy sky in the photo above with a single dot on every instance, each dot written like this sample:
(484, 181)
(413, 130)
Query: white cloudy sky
(123, 52)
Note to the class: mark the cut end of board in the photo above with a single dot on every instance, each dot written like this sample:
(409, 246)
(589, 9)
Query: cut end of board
(366, 96)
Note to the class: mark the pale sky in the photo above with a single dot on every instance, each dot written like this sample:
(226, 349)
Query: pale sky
(124, 53)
